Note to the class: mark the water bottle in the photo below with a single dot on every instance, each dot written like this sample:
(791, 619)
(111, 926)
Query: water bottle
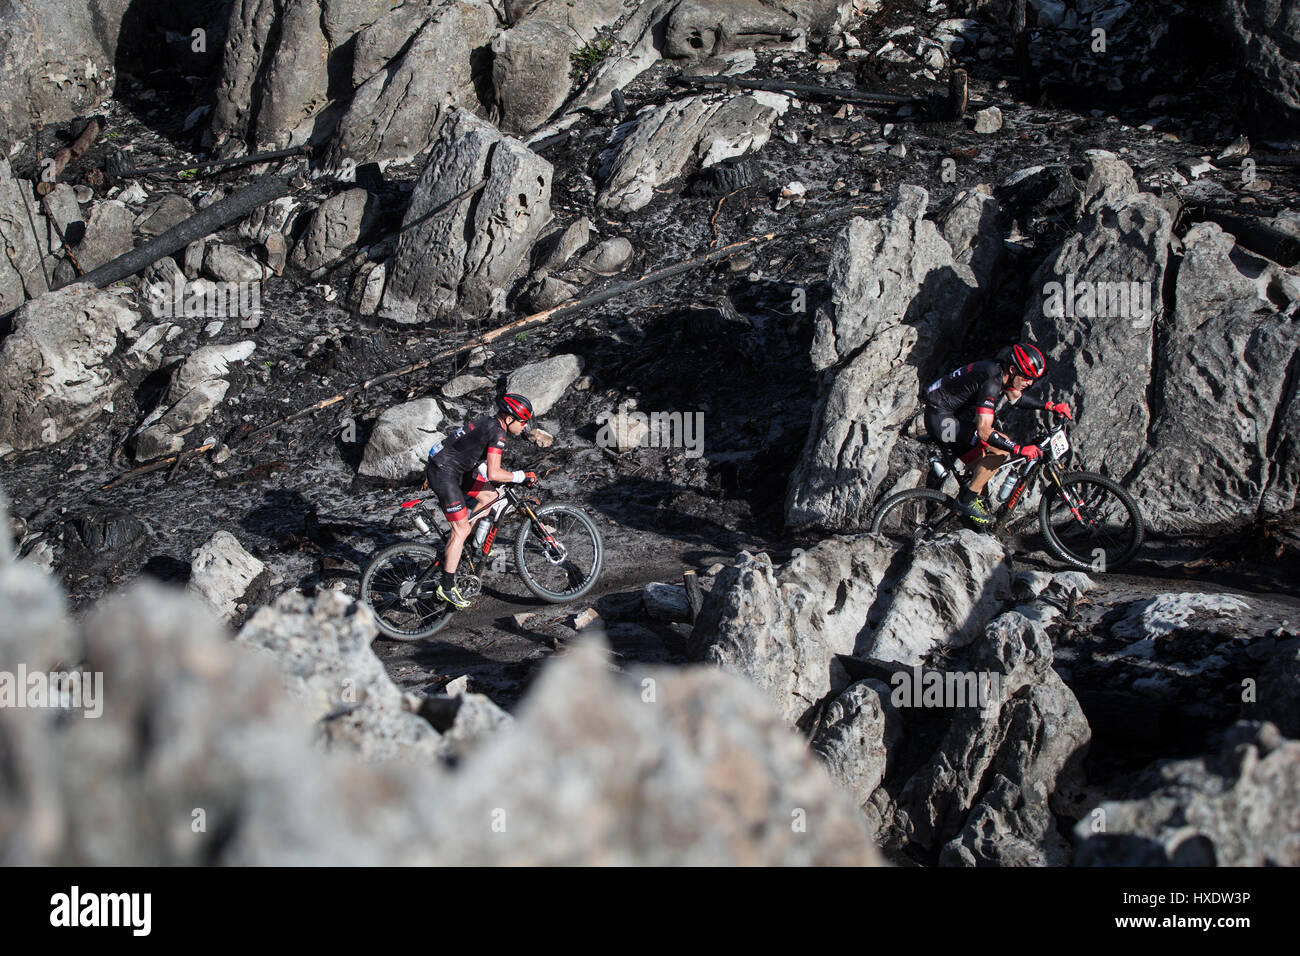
(936, 466)
(480, 533)
(422, 524)
(1006, 482)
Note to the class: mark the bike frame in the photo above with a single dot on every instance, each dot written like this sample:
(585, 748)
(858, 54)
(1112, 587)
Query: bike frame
(1046, 469)
(509, 500)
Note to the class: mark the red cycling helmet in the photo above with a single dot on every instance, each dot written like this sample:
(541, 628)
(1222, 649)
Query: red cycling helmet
(516, 405)
(1028, 360)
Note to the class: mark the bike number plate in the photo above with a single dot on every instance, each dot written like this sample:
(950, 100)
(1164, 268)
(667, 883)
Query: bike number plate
(1060, 445)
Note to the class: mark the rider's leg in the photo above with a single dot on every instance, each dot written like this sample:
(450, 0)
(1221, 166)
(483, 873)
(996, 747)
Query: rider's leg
(984, 470)
(451, 554)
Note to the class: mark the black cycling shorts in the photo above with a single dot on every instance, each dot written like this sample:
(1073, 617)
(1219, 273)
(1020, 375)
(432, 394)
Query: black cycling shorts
(961, 438)
(452, 488)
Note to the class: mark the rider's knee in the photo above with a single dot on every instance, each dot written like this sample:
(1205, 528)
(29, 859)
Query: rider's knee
(459, 529)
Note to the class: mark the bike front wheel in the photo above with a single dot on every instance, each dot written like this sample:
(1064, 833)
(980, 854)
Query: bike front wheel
(559, 555)
(1090, 522)
(915, 515)
(399, 586)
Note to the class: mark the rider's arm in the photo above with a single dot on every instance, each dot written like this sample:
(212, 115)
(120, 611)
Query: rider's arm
(495, 472)
(1026, 400)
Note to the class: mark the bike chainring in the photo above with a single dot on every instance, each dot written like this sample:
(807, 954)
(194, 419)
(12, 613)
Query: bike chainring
(471, 585)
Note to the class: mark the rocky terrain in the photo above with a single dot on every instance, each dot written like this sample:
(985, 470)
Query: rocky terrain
(201, 444)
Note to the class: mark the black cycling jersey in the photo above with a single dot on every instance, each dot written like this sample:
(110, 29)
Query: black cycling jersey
(468, 445)
(976, 386)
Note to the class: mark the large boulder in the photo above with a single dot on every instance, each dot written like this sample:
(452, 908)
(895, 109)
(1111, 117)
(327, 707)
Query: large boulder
(898, 296)
(704, 28)
(273, 83)
(196, 388)
(531, 61)
(400, 441)
(1097, 302)
(54, 375)
(335, 227)
(854, 596)
(456, 258)
(21, 273)
(1236, 807)
(395, 114)
(1264, 33)
(200, 757)
(544, 383)
(684, 767)
(322, 646)
(59, 58)
(1224, 445)
(1001, 769)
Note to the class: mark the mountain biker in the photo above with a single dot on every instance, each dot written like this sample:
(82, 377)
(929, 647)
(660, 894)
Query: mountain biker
(461, 468)
(959, 411)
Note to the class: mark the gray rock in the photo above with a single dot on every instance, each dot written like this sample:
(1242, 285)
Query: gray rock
(462, 385)
(108, 234)
(372, 288)
(457, 258)
(221, 573)
(400, 441)
(21, 276)
(783, 628)
(63, 213)
(609, 257)
(560, 249)
(227, 264)
(702, 28)
(544, 383)
(399, 111)
(54, 376)
(742, 124)
(954, 585)
(335, 227)
(1031, 733)
(1233, 808)
(1164, 614)
(988, 120)
(164, 213)
(1264, 32)
(195, 390)
(681, 766)
(477, 721)
(322, 646)
(655, 148)
(686, 767)
(878, 335)
(1109, 180)
(531, 60)
(59, 61)
(1232, 339)
(549, 293)
(1102, 363)
(857, 732)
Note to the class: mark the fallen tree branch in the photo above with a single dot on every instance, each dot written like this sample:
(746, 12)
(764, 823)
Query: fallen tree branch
(74, 150)
(204, 223)
(158, 465)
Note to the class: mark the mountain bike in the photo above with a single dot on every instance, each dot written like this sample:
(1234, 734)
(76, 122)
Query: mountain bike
(1088, 520)
(558, 554)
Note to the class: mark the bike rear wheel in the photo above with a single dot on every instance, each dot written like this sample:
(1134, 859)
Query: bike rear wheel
(404, 610)
(565, 567)
(915, 515)
(1091, 523)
